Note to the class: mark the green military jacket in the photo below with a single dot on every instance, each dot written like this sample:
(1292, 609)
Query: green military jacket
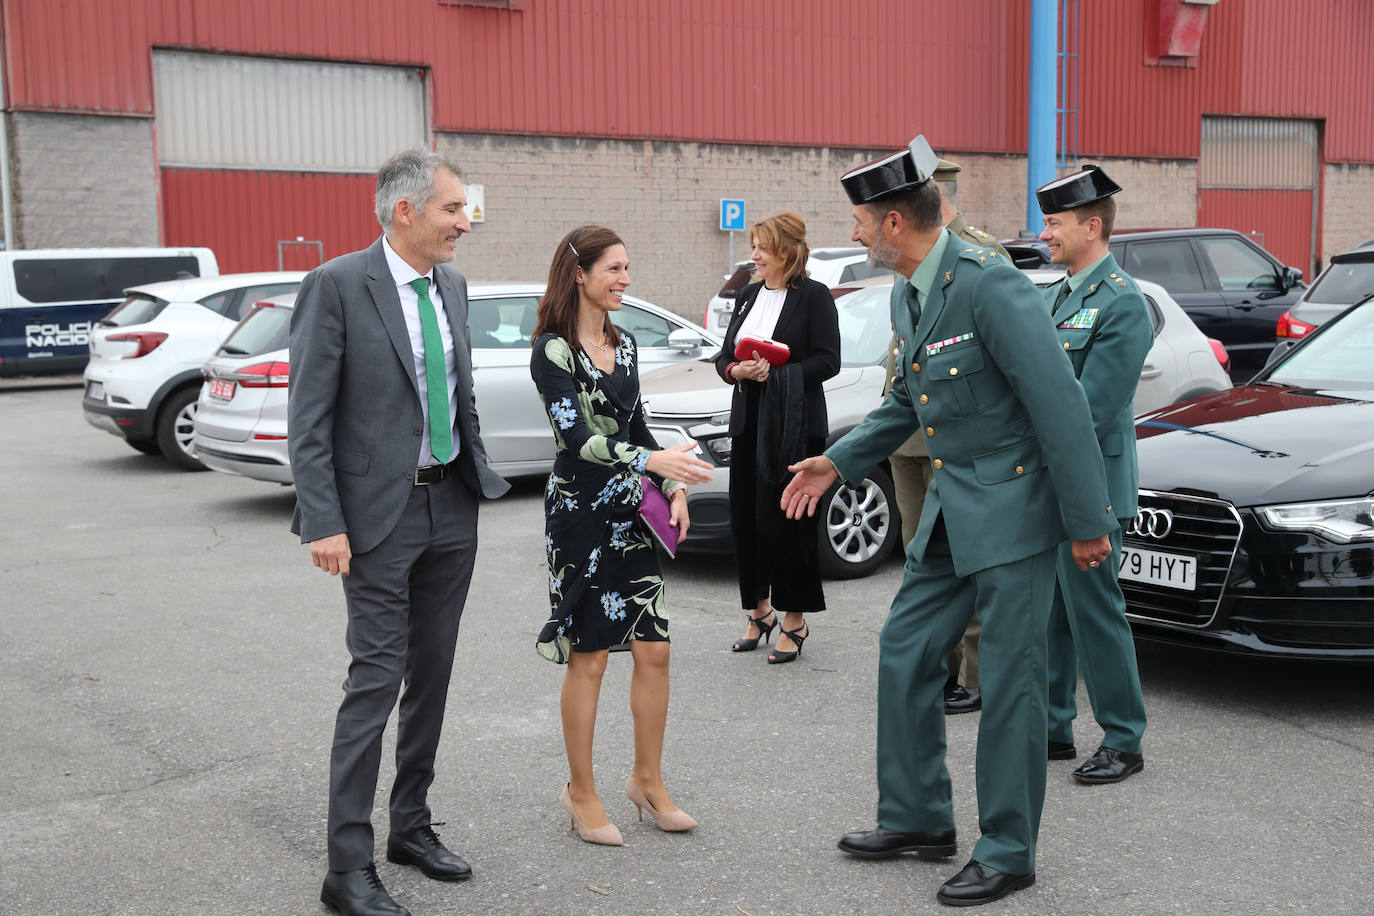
(1104, 325)
(915, 447)
(982, 374)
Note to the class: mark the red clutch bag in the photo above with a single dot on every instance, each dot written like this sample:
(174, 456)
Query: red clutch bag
(774, 351)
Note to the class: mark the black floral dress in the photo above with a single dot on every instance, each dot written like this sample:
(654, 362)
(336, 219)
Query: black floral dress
(605, 582)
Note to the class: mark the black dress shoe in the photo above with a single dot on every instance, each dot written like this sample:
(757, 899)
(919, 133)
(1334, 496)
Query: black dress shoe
(421, 848)
(978, 883)
(963, 699)
(1109, 765)
(1062, 751)
(881, 843)
(359, 893)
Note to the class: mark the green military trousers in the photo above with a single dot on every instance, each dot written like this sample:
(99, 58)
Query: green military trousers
(1088, 628)
(928, 617)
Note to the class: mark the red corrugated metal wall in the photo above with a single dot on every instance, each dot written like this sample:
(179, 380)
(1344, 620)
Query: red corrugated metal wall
(791, 72)
(805, 72)
(1288, 238)
(266, 207)
(1265, 58)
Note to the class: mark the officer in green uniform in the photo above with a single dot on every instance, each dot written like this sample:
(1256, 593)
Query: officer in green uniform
(1104, 325)
(1017, 471)
(911, 471)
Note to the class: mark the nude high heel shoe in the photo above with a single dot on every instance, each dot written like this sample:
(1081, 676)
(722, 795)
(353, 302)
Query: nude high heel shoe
(669, 821)
(608, 835)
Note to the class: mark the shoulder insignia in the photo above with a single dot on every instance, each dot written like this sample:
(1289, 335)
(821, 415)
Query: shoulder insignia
(980, 232)
(1092, 287)
(982, 257)
(948, 275)
(991, 253)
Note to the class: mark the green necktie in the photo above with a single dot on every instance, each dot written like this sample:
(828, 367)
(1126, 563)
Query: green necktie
(436, 376)
(1063, 294)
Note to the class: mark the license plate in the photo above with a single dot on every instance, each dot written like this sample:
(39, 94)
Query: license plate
(220, 388)
(95, 390)
(1154, 567)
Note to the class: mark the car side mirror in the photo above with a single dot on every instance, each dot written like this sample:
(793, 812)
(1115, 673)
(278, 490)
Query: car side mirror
(685, 340)
(1291, 277)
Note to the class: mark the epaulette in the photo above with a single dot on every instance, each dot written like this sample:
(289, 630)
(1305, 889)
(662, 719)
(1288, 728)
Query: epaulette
(982, 255)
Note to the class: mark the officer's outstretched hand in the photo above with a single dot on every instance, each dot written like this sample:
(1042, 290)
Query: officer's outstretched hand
(813, 476)
(1091, 554)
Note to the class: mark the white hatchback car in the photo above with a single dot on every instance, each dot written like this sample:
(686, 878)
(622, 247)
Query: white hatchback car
(143, 377)
(241, 424)
(831, 266)
(860, 525)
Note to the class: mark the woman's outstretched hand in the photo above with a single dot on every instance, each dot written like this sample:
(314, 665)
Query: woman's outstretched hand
(812, 477)
(678, 463)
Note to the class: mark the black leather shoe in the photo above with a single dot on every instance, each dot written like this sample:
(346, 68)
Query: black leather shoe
(421, 848)
(359, 893)
(881, 843)
(963, 699)
(1061, 751)
(978, 883)
(1109, 765)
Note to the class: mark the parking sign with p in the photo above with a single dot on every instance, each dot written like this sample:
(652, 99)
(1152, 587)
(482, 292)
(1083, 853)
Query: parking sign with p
(732, 215)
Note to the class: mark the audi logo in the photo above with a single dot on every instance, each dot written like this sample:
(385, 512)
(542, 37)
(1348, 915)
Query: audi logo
(1151, 523)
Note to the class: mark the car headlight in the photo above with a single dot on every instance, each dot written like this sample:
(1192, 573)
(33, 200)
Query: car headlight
(1343, 521)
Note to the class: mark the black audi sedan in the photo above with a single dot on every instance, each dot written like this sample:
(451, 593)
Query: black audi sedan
(1256, 525)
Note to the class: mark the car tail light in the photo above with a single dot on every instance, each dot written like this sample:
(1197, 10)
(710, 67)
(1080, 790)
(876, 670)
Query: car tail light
(1219, 351)
(275, 374)
(145, 342)
(1293, 328)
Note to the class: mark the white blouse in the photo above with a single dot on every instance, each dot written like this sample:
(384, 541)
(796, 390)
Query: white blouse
(763, 315)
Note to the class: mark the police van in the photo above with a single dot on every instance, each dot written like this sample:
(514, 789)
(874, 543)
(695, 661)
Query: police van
(51, 298)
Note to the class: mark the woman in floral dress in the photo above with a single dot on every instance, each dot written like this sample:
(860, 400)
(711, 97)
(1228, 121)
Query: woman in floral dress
(605, 583)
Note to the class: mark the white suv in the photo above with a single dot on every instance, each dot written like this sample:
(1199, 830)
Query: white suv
(860, 526)
(144, 373)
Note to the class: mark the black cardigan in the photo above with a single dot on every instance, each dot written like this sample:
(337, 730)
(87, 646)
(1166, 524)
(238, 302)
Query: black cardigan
(809, 325)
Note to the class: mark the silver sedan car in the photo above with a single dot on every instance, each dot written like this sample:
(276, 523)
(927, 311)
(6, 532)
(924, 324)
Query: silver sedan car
(860, 525)
(241, 421)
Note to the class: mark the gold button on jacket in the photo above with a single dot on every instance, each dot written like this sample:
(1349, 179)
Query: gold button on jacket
(937, 463)
(925, 400)
(930, 430)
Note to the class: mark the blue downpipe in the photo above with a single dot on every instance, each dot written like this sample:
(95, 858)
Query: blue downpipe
(1044, 95)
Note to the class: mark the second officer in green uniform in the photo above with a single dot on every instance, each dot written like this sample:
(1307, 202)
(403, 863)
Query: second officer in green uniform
(1104, 325)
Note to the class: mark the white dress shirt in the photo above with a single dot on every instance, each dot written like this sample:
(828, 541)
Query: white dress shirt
(402, 273)
(762, 319)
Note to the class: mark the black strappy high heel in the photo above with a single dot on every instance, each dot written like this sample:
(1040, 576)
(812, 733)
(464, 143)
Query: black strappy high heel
(798, 636)
(749, 645)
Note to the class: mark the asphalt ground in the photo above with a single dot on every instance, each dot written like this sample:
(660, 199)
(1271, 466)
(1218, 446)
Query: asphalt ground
(171, 670)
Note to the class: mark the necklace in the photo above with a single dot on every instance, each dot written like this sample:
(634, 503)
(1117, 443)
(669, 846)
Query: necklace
(603, 347)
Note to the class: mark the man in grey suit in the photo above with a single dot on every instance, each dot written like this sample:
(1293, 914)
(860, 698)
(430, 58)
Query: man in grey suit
(389, 464)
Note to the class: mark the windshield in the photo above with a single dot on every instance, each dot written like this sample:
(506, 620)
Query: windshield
(1344, 283)
(1340, 357)
(263, 330)
(865, 325)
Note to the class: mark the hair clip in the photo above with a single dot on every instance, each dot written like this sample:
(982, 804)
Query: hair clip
(574, 251)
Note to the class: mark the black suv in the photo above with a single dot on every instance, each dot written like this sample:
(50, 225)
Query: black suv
(1232, 288)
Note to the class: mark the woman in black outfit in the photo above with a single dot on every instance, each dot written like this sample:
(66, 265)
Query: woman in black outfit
(777, 417)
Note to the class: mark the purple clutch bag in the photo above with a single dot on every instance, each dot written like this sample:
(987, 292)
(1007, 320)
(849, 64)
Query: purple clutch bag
(654, 513)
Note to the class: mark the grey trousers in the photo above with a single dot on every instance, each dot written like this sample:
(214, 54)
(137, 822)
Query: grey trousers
(405, 598)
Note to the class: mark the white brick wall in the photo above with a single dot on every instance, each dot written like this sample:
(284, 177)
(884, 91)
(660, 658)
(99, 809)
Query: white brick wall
(664, 200)
(1348, 208)
(82, 180)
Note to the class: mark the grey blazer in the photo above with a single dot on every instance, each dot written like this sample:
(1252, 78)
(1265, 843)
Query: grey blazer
(354, 416)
